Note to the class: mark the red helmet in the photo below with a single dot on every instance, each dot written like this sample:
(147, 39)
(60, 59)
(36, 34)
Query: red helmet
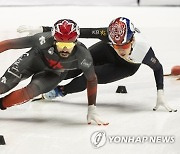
(65, 30)
(121, 31)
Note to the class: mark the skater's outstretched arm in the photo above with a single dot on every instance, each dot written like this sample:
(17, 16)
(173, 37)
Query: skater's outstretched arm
(151, 60)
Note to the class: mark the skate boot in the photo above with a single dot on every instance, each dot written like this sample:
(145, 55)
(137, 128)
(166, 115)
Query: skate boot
(58, 91)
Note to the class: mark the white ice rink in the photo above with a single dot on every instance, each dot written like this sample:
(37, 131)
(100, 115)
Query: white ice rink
(60, 127)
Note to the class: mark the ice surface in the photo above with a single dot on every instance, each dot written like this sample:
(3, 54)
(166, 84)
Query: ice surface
(60, 126)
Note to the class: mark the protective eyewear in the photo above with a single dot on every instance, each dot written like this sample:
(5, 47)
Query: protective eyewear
(68, 45)
(124, 46)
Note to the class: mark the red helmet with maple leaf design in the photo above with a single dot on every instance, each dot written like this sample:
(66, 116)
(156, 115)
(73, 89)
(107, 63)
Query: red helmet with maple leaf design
(65, 30)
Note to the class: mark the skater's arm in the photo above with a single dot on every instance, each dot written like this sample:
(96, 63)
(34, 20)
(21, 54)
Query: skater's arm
(46, 28)
(85, 63)
(91, 85)
(151, 60)
(96, 33)
(18, 43)
(92, 90)
(99, 33)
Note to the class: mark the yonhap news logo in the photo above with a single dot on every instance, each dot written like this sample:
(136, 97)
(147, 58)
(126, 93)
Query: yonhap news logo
(99, 139)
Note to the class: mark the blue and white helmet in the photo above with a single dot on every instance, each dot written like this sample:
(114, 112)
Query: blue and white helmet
(121, 31)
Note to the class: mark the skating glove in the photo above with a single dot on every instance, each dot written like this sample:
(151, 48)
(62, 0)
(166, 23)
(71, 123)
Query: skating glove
(161, 102)
(93, 116)
(29, 29)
